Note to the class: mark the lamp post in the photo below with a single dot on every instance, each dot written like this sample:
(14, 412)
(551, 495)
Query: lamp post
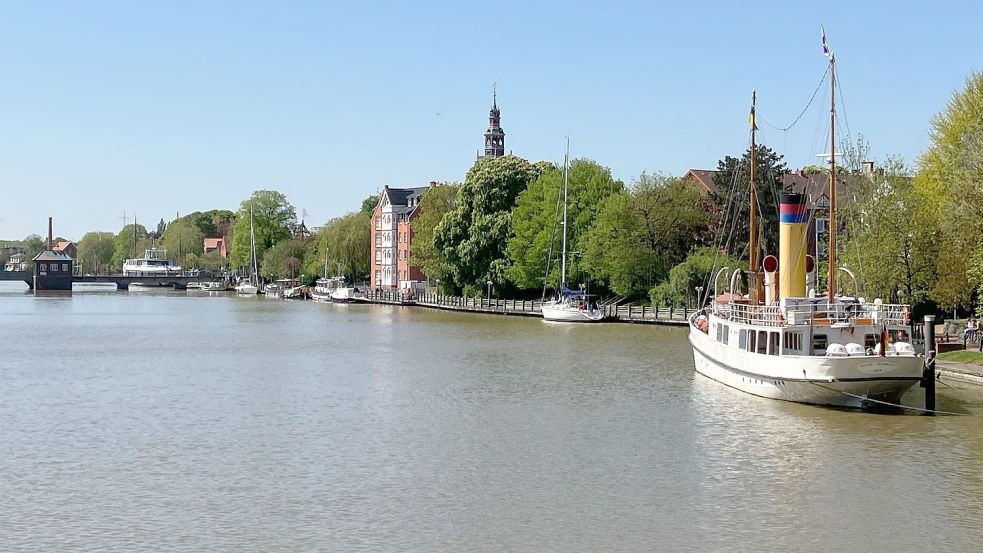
(489, 283)
(699, 296)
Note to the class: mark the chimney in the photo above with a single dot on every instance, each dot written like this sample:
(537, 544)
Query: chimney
(50, 236)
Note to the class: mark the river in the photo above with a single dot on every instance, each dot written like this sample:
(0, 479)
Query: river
(184, 422)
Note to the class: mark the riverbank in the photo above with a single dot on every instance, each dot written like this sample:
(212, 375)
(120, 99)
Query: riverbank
(642, 314)
(964, 372)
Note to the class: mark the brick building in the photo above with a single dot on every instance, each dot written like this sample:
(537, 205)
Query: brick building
(392, 239)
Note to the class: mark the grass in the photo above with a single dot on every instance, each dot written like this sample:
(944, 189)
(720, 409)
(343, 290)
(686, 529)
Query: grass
(963, 356)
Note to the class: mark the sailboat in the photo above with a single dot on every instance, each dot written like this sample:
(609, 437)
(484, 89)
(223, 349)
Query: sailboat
(569, 305)
(775, 340)
(250, 286)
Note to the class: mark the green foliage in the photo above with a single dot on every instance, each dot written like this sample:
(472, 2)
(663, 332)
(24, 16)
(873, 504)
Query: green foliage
(129, 243)
(211, 261)
(639, 235)
(474, 235)
(887, 242)
(33, 245)
(697, 270)
(345, 243)
(273, 219)
(284, 259)
(537, 217)
(95, 252)
(212, 224)
(182, 238)
(436, 202)
(950, 184)
(732, 180)
(368, 204)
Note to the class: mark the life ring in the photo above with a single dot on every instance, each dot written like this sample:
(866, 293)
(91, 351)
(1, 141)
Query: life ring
(906, 317)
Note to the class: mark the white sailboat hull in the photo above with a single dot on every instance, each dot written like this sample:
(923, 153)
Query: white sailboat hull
(247, 289)
(836, 381)
(571, 314)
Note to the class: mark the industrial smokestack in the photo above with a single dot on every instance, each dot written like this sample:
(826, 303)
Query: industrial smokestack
(50, 236)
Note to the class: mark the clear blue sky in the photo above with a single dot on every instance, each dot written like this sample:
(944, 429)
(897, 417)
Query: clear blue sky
(165, 107)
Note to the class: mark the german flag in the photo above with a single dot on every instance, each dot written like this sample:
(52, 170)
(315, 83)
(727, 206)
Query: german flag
(884, 337)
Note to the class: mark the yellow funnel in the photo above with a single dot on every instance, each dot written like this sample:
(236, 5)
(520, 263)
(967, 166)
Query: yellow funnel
(793, 225)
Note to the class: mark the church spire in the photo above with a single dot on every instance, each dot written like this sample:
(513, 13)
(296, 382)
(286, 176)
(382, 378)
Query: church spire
(494, 136)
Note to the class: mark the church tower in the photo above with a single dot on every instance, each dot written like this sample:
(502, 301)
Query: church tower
(494, 136)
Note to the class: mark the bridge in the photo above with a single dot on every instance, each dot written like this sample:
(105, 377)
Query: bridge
(178, 282)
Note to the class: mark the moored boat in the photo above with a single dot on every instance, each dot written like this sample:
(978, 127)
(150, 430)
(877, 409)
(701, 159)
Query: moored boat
(152, 264)
(767, 335)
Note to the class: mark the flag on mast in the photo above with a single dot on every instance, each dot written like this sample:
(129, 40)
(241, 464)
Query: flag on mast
(825, 46)
(750, 119)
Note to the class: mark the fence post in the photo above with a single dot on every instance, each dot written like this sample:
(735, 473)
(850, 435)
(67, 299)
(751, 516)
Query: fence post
(629, 311)
(670, 312)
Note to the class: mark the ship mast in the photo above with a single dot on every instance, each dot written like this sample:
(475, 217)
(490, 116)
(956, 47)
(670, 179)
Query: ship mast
(752, 223)
(832, 177)
(566, 172)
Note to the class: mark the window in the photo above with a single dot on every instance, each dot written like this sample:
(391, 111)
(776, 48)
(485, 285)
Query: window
(64, 267)
(44, 267)
(378, 278)
(762, 341)
(870, 340)
(773, 341)
(752, 339)
(742, 339)
(378, 223)
(726, 334)
(792, 341)
(819, 342)
(821, 225)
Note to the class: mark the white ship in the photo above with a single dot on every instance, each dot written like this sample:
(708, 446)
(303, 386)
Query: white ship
(152, 264)
(772, 338)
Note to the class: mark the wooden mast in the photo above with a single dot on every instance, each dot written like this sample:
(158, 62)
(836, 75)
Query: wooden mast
(832, 177)
(753, 219)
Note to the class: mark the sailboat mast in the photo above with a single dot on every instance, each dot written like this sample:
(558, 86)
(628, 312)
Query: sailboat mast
(753, 219)
(566, 173)
(832, 177)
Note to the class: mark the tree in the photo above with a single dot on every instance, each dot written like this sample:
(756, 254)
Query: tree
(732, 180)
(95, 251)
(129, 243)
(892, 253)
(369, 203)
(33, 245)
(273, 219)
(474, 235)
(698, 270)
(345, 243)
(284, 259)
(537, 217)
(639, 235)
(950, 182)
(436, 202)
(182, 238)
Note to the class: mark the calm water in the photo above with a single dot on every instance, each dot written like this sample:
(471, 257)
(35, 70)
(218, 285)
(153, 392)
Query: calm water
(182, 422)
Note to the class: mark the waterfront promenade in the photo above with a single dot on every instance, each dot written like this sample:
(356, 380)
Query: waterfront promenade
(643, 314)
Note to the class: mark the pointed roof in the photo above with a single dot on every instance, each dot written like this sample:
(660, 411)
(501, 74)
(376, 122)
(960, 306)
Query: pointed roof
(48, 255)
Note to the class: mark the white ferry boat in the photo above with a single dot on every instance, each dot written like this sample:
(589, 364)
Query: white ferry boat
(773, 338)
(153, 264)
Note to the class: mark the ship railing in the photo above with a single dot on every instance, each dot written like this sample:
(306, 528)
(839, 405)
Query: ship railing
(815, 313)
(761, 315)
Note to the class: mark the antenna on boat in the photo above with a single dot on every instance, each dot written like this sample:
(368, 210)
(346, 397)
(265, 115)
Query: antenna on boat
(752, 238)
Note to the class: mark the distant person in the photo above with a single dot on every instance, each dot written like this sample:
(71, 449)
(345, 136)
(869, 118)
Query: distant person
(970, 333)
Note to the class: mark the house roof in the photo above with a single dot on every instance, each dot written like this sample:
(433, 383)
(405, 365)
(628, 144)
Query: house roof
(213, 242)
(812, 185)
(60, 246)
(704, 177)
(49, 255)
(402, 196)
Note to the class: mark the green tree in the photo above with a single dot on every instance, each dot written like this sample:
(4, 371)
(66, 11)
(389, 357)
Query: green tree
(182, 238)
(474, 235)
(273, 219)
(129, 243)
(33, 245)
(697, 271)
(886, 241)
(639, 235)
(436, 202)
(345, 243)
(95, 251)
(537, 217)
(369, 203)
(732, 180)
(284, 259)
(950, 182)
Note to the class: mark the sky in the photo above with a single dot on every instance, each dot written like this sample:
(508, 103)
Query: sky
(165, 108)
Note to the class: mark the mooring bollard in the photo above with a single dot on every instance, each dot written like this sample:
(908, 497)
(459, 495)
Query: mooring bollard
(928, 373)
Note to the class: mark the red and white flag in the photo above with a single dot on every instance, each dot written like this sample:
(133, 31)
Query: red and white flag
(825, 46)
